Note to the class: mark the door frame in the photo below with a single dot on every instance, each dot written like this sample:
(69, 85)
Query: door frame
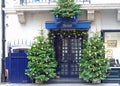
(59, 52)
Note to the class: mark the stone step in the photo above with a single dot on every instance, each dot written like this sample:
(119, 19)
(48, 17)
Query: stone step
(74, 80)
(111, 80)
(66, 80)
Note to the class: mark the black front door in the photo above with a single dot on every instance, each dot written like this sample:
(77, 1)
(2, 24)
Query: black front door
(68, 54)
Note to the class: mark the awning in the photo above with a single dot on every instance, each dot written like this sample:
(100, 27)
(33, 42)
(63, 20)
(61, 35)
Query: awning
(61, 25)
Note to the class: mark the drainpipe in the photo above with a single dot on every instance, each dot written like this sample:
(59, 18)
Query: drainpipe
(3, 41)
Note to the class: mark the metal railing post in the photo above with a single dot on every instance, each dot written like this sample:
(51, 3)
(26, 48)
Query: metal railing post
(3, 41)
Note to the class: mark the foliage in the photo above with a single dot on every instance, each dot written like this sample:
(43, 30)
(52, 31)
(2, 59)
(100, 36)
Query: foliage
(42, 63)
(67, 8)
(68, 33)
(93, 64)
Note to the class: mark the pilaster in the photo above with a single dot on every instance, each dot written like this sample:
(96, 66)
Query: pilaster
(21, 17)
(90, 15)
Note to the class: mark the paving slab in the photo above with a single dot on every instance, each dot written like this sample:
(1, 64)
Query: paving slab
(68, 84)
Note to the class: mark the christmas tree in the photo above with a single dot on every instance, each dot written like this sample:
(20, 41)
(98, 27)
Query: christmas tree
(42, 63)
(67, 8)
(93, 64)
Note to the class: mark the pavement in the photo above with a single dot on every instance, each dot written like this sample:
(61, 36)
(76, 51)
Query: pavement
(66, 84)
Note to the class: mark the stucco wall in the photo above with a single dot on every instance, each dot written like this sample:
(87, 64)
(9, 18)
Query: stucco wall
(104, 19)
(109, 19)
(0, 41)
(96, 23)
(104, 1)
(34, 22)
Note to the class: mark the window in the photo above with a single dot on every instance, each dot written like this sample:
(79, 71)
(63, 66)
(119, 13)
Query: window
(112, 46)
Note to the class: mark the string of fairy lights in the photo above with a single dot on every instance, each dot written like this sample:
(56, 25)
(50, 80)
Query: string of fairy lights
(68, 33)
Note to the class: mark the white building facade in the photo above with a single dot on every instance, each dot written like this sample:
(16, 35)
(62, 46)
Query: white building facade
(24, 19)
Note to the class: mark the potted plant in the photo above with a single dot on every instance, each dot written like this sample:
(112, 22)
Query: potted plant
(41, 60)
(93, 64)
(67, 12)
(66, 8)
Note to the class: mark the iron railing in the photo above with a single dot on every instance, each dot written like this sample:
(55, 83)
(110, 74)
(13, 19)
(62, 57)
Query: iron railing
(27, 2)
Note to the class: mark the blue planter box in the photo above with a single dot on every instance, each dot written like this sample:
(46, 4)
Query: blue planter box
(80, 25)
(67, 22)
(59, 19)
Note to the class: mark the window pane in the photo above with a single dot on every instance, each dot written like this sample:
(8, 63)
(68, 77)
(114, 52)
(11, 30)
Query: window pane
(112, 46)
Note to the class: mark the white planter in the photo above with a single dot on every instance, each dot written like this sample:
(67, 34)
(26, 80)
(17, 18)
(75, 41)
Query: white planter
(96, 81)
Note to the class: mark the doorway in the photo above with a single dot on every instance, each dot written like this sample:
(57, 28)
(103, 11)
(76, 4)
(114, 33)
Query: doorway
(68, 46)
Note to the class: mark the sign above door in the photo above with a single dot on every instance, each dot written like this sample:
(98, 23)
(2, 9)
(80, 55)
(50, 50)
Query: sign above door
(67, 23)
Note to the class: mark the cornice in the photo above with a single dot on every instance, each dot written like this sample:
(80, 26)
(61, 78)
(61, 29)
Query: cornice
(101, 6)
(20, 10)
(50, 7)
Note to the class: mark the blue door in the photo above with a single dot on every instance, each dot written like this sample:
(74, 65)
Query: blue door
(17, 64)
(68, 54)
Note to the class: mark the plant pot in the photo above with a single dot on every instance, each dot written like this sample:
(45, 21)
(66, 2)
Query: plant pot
(96, 81)
(57, 77)
(39, 82)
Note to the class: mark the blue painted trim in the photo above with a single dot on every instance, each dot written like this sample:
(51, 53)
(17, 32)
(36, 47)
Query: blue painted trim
(61, 25)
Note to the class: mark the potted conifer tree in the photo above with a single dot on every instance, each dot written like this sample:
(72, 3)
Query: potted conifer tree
(41, 60)
(66, 8)
(93, 64)
(67, 11)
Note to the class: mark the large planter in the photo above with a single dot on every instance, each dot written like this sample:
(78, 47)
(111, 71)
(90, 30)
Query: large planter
(96, 81)
(39, 82)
